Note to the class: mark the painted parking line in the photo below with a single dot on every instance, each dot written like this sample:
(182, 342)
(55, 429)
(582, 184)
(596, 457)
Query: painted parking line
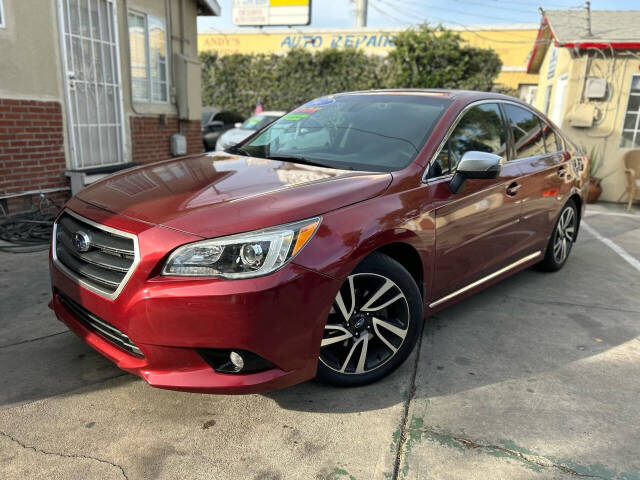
(591, 213)
(612, 245)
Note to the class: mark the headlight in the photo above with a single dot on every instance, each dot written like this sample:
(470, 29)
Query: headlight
(245, 255)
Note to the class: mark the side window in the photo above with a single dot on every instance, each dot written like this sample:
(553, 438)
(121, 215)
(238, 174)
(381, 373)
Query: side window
(551, 140)
(528, 140)
(236, 118)
(227, 118)
(481, 129)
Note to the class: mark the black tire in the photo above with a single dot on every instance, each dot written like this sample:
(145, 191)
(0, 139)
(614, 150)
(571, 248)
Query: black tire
(563, 231)
(404, 316)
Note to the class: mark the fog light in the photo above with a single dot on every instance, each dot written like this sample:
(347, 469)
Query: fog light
(237, 360)
(240, 362)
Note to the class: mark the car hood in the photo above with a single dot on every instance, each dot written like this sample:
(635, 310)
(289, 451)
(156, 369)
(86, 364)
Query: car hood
(235, 135)
(221, 194)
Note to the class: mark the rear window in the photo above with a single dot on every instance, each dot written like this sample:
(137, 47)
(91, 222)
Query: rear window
(526, 128)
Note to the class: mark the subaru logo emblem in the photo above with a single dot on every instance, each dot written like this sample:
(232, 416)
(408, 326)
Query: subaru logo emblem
(81, 241)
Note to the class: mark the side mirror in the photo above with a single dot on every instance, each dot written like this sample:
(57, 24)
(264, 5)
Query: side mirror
(215, 124)
(237, 125)
(475, 164)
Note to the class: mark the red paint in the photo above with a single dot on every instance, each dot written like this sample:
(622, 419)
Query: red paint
(538, 42)
(606, 45)
(459, 238)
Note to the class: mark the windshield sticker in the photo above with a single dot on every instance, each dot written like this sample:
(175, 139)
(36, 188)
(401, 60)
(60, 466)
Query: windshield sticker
(302, 112)
(295, 116)
(320, 102)
(308, 110)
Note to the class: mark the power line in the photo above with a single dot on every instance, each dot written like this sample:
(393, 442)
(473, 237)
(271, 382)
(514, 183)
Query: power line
(533, 10)
(413, 14)
(459, 12)
(387, 14)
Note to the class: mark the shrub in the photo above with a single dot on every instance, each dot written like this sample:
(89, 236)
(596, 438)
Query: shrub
(422, 58)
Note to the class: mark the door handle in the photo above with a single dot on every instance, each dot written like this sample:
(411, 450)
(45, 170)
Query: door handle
(512, 188)
(562, 170)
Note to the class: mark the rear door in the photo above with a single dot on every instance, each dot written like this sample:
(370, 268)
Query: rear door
(477, 228)
(538, 151)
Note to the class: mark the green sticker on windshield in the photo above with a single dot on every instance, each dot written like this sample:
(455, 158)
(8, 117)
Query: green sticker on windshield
(296, 116)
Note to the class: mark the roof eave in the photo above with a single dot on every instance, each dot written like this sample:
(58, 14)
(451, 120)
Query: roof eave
(581, 44)
(544, 38)
(208, 8)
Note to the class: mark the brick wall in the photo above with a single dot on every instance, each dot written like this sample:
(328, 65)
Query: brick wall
(150, 137)
(31, 148)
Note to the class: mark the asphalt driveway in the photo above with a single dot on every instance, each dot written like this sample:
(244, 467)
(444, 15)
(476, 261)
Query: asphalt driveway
(537, 377)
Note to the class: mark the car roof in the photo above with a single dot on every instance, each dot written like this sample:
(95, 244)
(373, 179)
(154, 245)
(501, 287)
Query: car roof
(447, 93)
(460, 98)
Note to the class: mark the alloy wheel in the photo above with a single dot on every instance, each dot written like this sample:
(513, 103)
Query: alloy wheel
(564, 234)
(367, 324)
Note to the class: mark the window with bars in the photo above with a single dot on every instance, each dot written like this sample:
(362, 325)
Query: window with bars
(148, 47)
(631, 126)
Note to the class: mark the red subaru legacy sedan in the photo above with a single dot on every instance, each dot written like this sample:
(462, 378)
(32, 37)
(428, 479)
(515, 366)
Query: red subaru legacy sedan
(317, 246)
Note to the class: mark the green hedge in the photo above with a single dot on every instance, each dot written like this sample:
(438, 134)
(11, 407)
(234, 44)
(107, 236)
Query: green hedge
(422, 58)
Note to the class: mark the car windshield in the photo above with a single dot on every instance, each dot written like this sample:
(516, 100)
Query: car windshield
(205, 117)
(257, 122)
(380, 132)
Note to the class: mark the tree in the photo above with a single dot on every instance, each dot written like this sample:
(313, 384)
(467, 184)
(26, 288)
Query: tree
(282, 82)
(437, 58)
(422, 58)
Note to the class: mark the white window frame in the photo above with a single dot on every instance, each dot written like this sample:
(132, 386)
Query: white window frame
(636, 129)
(2, 22)
(548, 90)
(149, 99)
(553, 62)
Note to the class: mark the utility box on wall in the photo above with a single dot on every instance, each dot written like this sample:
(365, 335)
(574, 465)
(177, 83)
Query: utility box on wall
(188, 95)
(582, 115)
(596, 88)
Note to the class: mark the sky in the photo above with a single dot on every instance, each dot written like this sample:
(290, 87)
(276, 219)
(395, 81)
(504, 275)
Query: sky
(394, 13)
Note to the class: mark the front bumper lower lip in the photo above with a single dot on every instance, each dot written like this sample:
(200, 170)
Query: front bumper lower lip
(195, 375)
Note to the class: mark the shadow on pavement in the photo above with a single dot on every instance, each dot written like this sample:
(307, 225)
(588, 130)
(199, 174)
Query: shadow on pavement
(528, 324)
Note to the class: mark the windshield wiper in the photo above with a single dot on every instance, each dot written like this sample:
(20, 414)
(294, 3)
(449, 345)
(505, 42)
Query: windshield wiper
(236, 149)
(303, 160)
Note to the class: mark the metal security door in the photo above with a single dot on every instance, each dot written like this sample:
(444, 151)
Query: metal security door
(89, 44)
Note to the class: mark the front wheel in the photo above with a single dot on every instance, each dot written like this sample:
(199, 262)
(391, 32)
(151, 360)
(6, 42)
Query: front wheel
(562, 238)
(373, 325)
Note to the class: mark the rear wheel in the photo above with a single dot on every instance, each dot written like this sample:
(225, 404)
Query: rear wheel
(373, 325)
(562, 238)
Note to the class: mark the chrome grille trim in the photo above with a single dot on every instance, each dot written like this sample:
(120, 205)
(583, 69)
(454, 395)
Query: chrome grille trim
(104, 329)
(104, 270)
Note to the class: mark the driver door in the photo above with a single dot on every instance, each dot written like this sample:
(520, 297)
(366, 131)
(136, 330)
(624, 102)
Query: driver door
(477, 228)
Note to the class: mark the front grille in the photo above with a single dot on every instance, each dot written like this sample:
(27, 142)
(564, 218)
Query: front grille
(105, 265)
(102, 328)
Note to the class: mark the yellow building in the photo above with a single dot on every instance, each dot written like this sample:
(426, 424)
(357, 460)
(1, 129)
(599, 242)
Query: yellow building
(511, 42)
(589, 67)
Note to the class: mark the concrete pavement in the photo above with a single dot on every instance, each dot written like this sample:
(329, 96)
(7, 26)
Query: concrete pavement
(537, 377)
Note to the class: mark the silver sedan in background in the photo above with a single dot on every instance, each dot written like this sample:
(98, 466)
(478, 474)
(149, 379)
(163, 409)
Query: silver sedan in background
(243, 130)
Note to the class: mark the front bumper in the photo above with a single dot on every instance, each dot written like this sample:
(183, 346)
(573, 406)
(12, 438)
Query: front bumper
(279, 317)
